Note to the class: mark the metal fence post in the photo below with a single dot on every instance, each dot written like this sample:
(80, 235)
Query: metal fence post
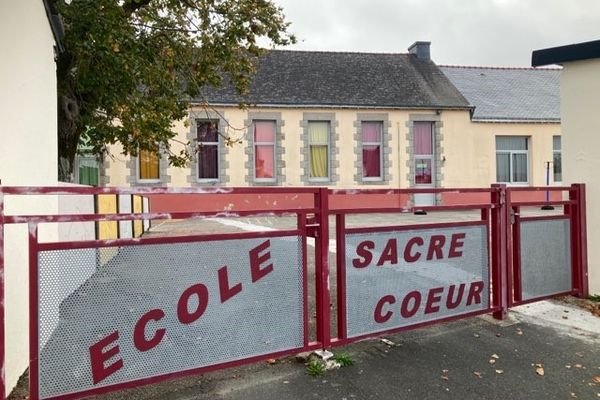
(322, 269)
(500, 251)
(2, 339)
(579, 240)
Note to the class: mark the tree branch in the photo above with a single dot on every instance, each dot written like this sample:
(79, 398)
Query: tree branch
(131, 6)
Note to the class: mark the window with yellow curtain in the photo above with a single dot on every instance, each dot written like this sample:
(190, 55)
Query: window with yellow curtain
(148, 165)
(318, 142)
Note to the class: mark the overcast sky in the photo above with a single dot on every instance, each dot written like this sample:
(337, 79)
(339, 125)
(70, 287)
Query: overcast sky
(463, 32)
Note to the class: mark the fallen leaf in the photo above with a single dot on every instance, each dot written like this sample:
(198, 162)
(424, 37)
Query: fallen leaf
(519, 332)
(444, 377)
(495, 356)
(492, 361)
(499, 371)
(573, 395)
(476, 335)
(478, 374)
(596, 379)
(445, 371)
(578, 366)
(539, 371)
(388, 342)
(498, 335)
(568, 366)
(272, 361)
(579, 354)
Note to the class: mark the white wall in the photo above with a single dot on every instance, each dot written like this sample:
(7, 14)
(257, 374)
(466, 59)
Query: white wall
(580, 104)
(28, 151)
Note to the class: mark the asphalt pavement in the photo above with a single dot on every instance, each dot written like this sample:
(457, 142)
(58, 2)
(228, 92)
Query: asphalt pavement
(527, 357)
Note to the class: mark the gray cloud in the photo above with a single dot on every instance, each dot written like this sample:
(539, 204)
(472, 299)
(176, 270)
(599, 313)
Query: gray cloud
(465, 32)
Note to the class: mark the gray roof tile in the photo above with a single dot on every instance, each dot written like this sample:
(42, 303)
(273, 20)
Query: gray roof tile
(516, 94)
(313, 78)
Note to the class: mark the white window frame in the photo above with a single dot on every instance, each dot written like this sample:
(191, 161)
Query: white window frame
(273, 144)
(380, 144)
(138, 169)
(559, 152)
(328, 144)
(217, 143)
(510, 153)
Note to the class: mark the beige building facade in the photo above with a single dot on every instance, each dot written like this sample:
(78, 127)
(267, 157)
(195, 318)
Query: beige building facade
(464, 152)
(580, 102)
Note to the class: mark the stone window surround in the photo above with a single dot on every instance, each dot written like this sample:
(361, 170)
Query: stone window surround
(333, 147)
(163, 177)
(192, 137)
(438, 138)
(386, 139)
(279, 148)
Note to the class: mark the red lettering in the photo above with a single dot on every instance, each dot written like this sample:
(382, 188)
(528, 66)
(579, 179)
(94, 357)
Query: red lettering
(433, 298)
(183, 313)
(256, 259)
(436, 243)
(98, 358)
(475, 293)
(224, 289)
(390, 253)
(139, 332)
(450, 303)
(408, 257)
(381, 318)
(456, 244)
(404, 308)
(362, 250)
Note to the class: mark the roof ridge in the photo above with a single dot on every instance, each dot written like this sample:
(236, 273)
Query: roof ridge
(499, 67)
(337, 52)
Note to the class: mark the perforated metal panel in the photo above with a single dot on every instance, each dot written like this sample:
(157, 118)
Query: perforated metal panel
(265, 316)
(368, 286)
(545, 258)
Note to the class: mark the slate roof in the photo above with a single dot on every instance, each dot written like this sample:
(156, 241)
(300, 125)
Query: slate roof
(314, 78)
(509, 94)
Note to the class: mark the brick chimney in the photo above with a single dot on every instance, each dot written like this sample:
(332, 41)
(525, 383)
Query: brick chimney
(421, 50)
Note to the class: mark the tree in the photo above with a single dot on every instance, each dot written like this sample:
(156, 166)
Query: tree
(131, 67)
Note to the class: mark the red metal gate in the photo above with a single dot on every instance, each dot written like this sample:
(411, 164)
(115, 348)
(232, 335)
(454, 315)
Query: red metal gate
(107, 314)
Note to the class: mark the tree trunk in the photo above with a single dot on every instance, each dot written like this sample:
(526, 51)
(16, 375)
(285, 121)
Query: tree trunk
(68, 138)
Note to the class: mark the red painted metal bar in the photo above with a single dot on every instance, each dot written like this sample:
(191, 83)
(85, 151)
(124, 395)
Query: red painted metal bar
(546, 297)
(499, 254)
(540, 203)
(583, 256)
(2, 317)
(461, 207)
(410, 191)
(517, 294)
(340, 237)
(84, 244)
(19, 219)
(544, 218)
(322, 270)
(508, 247)
(301, 224)
(579, 241)
(57, 190)
(33, 313)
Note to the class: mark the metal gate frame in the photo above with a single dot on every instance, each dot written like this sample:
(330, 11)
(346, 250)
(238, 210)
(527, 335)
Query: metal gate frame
(500, 214)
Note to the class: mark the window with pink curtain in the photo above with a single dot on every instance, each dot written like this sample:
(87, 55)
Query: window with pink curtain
(208, 149)
(423, 144)
(264, 150)
(371, 149)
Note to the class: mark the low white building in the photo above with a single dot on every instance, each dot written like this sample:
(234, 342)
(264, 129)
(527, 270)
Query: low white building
(580, 102)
